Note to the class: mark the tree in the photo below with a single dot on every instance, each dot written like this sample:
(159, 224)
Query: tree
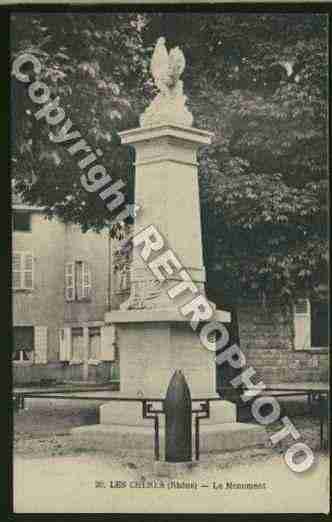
(96, 64)
(258, 81)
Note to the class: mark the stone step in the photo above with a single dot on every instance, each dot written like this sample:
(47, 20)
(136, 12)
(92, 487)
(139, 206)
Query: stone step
(213, 438)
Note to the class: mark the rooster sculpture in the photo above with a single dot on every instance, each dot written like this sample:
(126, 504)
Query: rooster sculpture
(165, 68)
(169, 106)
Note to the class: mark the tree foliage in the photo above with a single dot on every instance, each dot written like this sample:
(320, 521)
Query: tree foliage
(96, 65)
(258, 81)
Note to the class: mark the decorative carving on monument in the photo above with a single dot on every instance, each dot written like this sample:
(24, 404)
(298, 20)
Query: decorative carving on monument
(146, 294)
(169, 106)
(123, 279)
(122, 259)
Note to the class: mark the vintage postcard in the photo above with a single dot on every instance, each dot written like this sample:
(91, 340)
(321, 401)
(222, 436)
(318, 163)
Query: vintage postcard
(169, 177)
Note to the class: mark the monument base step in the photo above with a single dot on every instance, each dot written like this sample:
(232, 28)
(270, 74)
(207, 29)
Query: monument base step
(213, 438)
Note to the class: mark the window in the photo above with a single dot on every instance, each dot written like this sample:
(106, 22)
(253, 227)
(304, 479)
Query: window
(77, 281)
(22, 271)
(21, 221)
(115, 372)
(94, 343)
(23, 337)
(319, 324)
(23, 355)
(310, 324)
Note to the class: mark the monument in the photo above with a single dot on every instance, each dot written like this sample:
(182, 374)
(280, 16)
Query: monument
(154, 339)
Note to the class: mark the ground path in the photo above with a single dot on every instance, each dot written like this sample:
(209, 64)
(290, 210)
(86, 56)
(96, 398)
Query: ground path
(51, 474)
(68, 485)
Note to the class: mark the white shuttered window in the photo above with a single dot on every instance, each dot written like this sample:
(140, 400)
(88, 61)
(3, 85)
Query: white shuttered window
(22, 271)
(77, 344)
(107, 344)
(40, 344)
(86, 281)
(70, 281)
(78, 281)
(65, 344)
(94, 343)
(302, 325)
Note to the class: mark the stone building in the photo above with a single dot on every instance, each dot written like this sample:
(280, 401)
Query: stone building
(283, 347)
(283, 344)
(61, 291)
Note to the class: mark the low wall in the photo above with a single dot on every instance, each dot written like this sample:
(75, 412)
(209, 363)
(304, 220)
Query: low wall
(276, 366)
(59, 372)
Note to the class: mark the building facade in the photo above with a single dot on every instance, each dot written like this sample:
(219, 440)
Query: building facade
(283, 344)
(61, 281)
(286, 347)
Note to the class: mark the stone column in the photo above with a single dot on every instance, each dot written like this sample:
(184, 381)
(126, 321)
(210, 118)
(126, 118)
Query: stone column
(153, 337)
(166, 189)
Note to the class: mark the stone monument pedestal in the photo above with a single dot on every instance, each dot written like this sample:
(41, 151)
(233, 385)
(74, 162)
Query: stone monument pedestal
(153, 336)
(152, 345)
(151, 350)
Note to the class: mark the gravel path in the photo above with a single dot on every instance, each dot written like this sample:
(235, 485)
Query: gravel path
(51, 474)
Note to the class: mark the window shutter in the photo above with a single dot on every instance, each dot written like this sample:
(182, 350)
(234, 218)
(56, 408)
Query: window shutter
(70, 281)
(94, 343)
(40, 348)
(17, 270)
(79, 280)
(302, 325)
(78, 344)
(86, 280)
(107, 352)
(27, 275)
(22, 271)
(65, 344)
